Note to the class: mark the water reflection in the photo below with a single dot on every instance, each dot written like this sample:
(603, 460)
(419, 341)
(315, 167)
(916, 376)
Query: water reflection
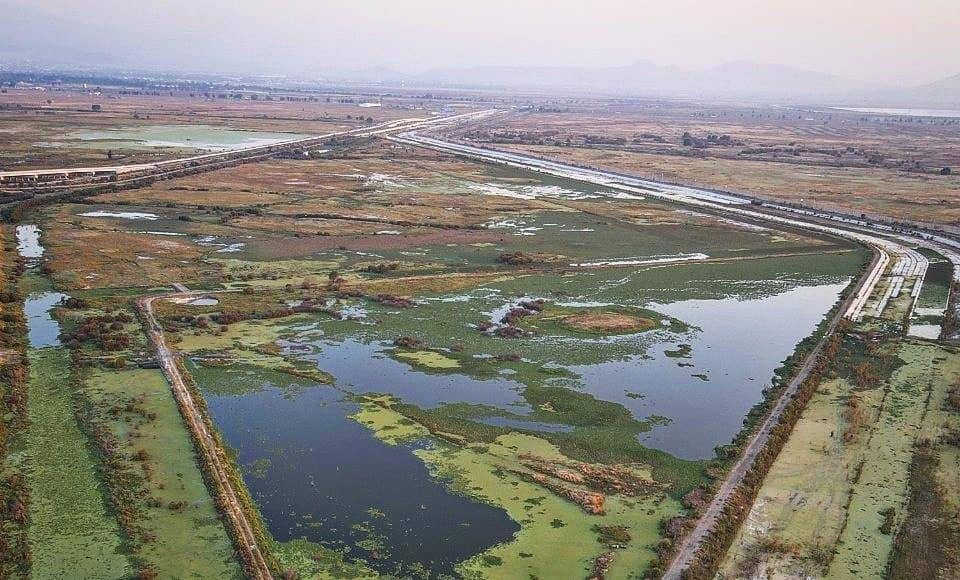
(28, 241)
(365, 368)
(43, 329)
(740, 344)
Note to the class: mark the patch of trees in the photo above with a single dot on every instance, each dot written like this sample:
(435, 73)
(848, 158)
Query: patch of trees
(604, 140)
(73, 303)
(408, 342)
(381, 267)
(520, 258)
(106, 331)
(645, 137)
(952, 402)
(14, 491)
(230, 317)
(950, 326)
(889, 519)
(855, 417)
(509, 323)
(711, 140)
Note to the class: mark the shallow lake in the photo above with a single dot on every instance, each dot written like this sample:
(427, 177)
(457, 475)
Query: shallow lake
(204, 137)
(318, 474)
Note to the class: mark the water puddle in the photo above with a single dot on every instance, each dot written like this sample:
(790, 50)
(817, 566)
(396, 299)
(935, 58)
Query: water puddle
(28, 241)
(43, 329)
(204, 301)
(204, 137)
(126, 215)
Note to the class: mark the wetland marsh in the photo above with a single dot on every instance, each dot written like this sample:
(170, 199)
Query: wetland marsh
(661, 397)
(473, 372)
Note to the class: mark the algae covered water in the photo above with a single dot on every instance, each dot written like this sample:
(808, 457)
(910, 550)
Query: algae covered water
(683, 386)
(319, 475)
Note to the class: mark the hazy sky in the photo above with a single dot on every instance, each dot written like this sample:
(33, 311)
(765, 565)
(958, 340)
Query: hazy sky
(894, 41)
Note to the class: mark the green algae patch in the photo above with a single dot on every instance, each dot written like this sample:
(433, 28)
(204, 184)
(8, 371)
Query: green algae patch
(430, 359)
(252, 342)
(377, 414)
(71, 533)
(558, 538)
(862, 550)
(315, 562)
(181, 516)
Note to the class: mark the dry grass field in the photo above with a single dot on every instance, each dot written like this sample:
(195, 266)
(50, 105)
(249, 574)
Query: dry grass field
(877, 164)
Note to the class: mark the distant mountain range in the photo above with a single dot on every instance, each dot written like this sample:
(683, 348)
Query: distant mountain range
(734, 79)
(35, 38)
(943, 93)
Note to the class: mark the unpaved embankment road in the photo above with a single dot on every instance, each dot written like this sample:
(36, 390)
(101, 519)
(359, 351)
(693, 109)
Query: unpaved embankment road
(693, 541)
(215, 461)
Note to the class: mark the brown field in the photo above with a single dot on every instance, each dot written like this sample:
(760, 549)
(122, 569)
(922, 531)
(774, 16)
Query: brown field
(888, 193)
(606, 322)
(292, 219)
(800, 135)
(832, 159)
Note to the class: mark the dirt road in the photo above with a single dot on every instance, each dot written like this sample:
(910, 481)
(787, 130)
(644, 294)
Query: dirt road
(245, 539)
(694, 540)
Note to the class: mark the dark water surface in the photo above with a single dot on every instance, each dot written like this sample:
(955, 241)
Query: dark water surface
(318, 474)
(738, 346)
